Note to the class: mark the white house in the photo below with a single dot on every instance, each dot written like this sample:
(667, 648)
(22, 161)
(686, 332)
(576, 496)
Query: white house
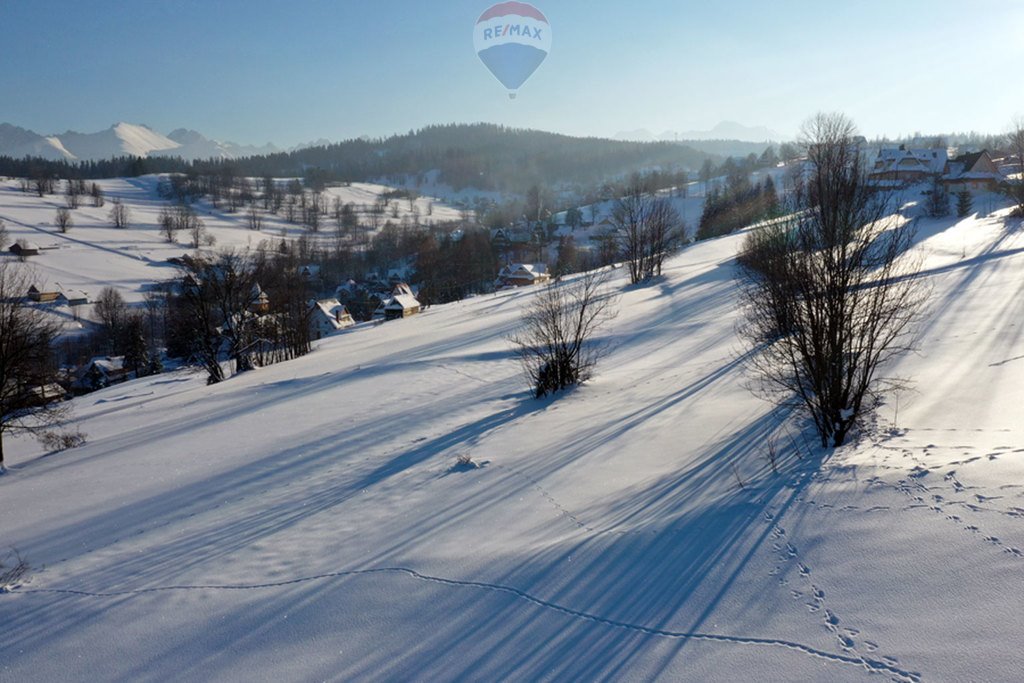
(328, 316)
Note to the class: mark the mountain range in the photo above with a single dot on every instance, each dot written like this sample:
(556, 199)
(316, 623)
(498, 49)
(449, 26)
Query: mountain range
(121, 139)
(726, 130)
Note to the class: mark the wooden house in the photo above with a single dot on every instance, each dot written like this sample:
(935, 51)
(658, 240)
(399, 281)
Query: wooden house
(260, 301)
(902, 166)
(975, 172)
(23, 249)
(43, 296)
(399, 306)
(523, 275)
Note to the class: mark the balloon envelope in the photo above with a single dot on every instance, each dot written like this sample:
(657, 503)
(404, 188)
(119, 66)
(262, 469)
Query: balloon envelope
(512, 39)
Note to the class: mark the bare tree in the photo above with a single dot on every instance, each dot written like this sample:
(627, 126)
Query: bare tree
(255, 218)
(937, 204)
(43, 184)
(72, 196)
(168, 224)
(120, 215)
(27, 372)
(186, 219)
(645, 227)
(218, 296)
(112, 312)
(3, 235)
(63, 220)
(829, 295)
(1016, 144)
(555, 343)
(97, 195)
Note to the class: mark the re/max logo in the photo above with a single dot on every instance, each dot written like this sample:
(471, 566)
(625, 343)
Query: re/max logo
(512, 30)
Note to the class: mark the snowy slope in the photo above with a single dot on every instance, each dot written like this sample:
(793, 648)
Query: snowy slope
(94, 254)
(304, 521)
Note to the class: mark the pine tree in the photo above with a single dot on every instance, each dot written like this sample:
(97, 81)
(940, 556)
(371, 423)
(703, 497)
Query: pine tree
(136, 355)
(964, 203)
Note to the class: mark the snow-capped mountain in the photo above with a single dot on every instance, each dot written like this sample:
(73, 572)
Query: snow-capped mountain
(726, 130)
(20, 142)
(121, 139)
(192, 144)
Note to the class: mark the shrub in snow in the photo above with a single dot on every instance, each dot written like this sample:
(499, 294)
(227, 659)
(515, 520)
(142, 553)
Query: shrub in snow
(55, 441)
(555, 342)
(13, 569)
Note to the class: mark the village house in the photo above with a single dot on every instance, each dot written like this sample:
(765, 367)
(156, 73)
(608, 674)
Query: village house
(260, 301)
(45, 395)
(974, 172)
(100, 372)
(523, 275)
(402, 303)
(27, 396)
(23, 249)
(310, 271)
(327, 317)
(74, 297)
(400, 306)
(900, 166)
(42, 296)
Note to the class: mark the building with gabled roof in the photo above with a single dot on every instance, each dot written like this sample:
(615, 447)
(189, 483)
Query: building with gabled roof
(523, 275)
(973, 172)
(327, 317)
(901, 166)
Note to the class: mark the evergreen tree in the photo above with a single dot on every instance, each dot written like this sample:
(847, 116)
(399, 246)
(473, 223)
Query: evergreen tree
(964, 203)
(136, 354)
(568, 259)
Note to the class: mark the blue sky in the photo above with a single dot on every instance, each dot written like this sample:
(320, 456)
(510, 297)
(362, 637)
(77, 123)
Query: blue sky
(252, 71)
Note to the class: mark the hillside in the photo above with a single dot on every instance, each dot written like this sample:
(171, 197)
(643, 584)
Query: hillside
(305, 521)
(94, 254)
(483, 157)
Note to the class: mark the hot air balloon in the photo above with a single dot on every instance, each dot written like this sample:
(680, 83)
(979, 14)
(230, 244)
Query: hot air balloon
(512, 39)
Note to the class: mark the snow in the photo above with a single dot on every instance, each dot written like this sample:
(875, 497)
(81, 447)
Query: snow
(305, 521)
(121, 139)
(94, 254)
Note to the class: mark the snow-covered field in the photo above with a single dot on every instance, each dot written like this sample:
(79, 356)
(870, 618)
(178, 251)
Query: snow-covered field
(94, 254)
(305, 522)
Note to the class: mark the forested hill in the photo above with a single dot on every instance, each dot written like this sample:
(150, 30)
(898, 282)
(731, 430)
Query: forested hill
(484, 156)
(490, 157)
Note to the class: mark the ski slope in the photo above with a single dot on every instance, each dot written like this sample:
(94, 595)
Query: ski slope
(306, 521)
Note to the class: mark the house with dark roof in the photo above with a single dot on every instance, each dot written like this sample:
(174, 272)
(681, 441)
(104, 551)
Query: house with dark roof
(22, 249)
(974, 172)
(100, 372)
